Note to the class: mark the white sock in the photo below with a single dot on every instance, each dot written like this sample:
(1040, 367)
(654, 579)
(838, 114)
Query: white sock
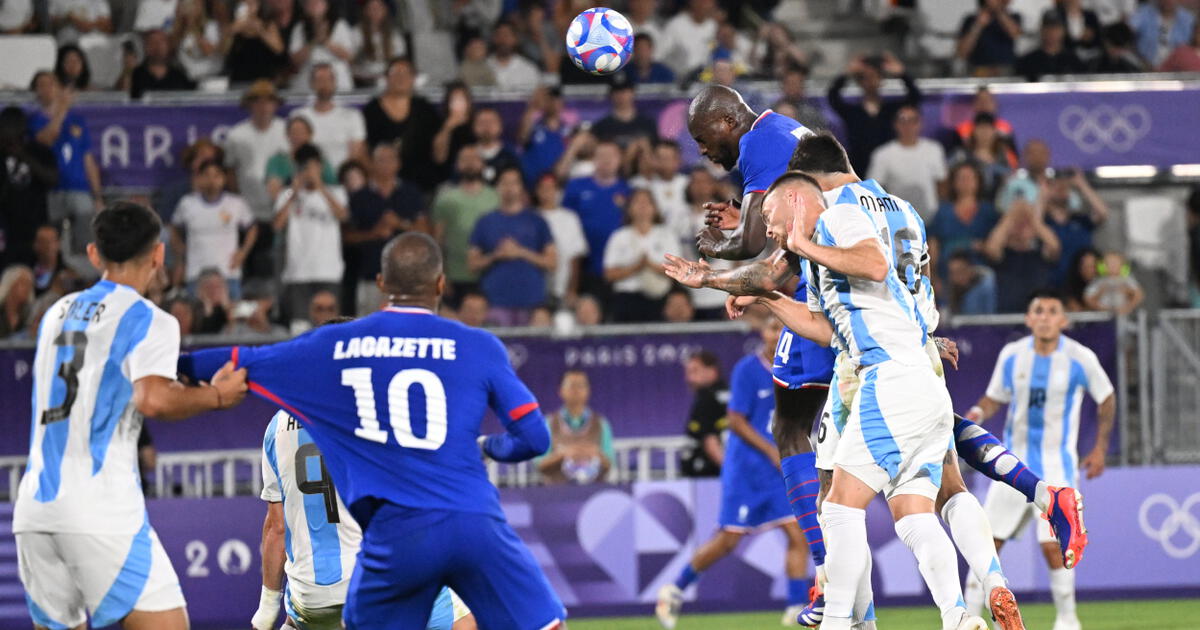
(846, 558)
(1062, 589)
(937, 561)
(864, 596)
(974, 596)
(1041, 497)
(973, 536)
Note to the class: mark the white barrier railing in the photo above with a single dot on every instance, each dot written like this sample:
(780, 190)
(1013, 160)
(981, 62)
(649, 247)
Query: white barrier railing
(234, 472)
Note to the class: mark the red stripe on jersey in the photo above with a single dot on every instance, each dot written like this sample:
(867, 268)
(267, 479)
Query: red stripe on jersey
(760, 117)
(520, 412)
(233, 356)
(270, 395)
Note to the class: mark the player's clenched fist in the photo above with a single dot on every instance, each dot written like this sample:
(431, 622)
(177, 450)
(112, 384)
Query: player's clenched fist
(230, 384)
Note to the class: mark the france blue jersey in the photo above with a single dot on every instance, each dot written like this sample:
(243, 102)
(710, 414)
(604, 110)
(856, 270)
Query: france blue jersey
(751, 394)
(764, 151)
(394, 401)
(800, 362)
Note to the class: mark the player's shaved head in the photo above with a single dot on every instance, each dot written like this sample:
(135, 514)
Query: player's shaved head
(717, 120)
(412, 268)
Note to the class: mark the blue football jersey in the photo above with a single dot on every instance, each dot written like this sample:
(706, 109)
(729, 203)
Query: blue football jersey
(764, 151)
(394, 401)
(751, 394)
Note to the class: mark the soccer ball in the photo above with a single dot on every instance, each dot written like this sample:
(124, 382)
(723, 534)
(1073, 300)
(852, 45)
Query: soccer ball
(600, 41)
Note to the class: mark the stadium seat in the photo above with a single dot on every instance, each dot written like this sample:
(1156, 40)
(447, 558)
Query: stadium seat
(938, 23)
(1148, 220)
(104, 57)
(36, 52)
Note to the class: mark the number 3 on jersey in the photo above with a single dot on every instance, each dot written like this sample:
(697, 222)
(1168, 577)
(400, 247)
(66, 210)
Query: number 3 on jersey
(399, 408)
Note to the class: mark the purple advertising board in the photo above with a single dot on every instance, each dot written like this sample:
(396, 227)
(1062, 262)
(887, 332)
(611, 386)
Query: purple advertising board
(607, 548)
(138, 145)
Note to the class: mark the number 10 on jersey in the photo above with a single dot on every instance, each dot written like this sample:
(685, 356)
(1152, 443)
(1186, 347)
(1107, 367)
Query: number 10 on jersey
(399, 408)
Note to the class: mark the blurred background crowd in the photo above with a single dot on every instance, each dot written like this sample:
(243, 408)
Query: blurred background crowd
(277, 225)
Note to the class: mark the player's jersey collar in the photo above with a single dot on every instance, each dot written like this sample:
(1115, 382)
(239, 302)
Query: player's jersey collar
(414, 310)
(760, 117)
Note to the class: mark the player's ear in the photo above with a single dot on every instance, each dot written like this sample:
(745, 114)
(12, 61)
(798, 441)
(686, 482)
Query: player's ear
(93, 255)
(440, 284)
(379, 283)
(159, 255)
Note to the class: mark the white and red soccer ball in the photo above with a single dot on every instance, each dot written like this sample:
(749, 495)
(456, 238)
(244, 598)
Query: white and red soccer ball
(600, 41)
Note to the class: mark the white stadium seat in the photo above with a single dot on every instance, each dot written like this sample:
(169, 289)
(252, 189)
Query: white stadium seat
(36, 52)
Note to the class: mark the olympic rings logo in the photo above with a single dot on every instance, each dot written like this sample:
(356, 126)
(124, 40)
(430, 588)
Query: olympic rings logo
(1179, 517)
(1104, 127)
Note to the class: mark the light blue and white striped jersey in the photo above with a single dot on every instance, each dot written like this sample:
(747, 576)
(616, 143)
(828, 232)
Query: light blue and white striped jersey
(875, 321)
(903, 232)
(320, 536)
(1043, 395)
(82, 476)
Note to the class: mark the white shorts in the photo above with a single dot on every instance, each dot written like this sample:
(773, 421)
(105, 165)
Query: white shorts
(67, 576)
(898, 429)
(1009, 512)
(842, 390)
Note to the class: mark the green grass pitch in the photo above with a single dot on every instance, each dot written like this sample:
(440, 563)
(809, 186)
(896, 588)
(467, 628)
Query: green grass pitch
(1172, 614)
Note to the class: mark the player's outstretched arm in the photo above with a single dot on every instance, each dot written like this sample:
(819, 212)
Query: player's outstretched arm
(166, 399)
(796, 316)
(526, 435)
(745, 242)
(761, 277)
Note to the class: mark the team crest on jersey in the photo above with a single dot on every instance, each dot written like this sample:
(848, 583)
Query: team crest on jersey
(76, 131)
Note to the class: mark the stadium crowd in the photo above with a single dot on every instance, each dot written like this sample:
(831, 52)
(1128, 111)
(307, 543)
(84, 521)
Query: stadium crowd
(279, 225)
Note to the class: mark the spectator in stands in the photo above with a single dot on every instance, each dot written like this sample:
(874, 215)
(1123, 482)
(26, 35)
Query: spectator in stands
(1115, 290)
(154, 15)
(16, 17)
(184, 310)
(198, 40)
(27, 174)
(215, 304)
(322, 308)
(352, 176)
(633, 262)
(792, 88)
(731, 44)
(963, 221)
(513, 252)
(258, 48)
(512, 70)
(212, 229)
(167, 195)
(1083, 271)
(706, 419)
(250, 144)
(581, 448)
(987, 39)
(376, 41)
(776, 52)
(569, 242)
(458, 106)
(972, 286)
(283, 165)
(400, 114)
(988, 151)
(669, 188)
(1073, 211)
(542, 133)
(1160, 26)
(158, 71)
(643, 68)
(1082, 28)
(252, 316)
(1023, 251)
(539, 40)
(623, 124)
(910, 166)
(488, 129)
(1027, 183)
(311, 211)
(1113, 11)
(1185, 57)
(598, 200)
(677, 308)
(69, 19)
(688, 37)
(16, 300)
(78, 194)
(47, 258)
(473, 310)
(588, 311)
(1119, 56)
(456, 209)
(869, 123)
(323, 37)
(1052, 55)
(542, 317)
(338, 131)
(474, 69)
(385, 207)
(643, 17)
(72, 69)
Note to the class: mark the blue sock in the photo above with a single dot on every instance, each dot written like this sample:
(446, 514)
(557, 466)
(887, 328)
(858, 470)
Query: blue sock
(686, 577)
(800, 478)
(798, 591)
(987, 454)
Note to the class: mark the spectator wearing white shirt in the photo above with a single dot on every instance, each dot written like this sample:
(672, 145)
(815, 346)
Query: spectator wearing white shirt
(69, 19)
(312, 213)
(197, 38)
(153, 15)
(689, 37)
(512, 71)
(251, 143)
(910, 166)
(633, 262)
(669, 188)
(339, 132)
(569, 241)
(207, 228)
(643, 17)
(322, 37)
(16, 16)
(377, 40)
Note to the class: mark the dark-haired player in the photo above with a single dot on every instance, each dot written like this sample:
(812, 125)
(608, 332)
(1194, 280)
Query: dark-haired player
(394, 401)
(106, 357)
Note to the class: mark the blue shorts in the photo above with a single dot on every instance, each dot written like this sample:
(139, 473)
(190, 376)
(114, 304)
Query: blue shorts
(799, 362)
(408, 555)
(745, 509)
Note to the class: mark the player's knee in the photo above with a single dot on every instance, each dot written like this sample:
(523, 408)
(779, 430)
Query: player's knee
(727, 541)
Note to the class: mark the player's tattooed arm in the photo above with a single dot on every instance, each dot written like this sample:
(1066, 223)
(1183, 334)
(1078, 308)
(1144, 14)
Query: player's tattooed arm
(795, 315)
(746, 241)
(758, 278)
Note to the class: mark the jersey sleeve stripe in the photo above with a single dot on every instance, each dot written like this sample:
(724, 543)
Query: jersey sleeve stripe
(233, 356)
(269, 395)
(522, 411)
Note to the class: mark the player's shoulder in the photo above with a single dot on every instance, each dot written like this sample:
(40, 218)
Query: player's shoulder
(745, 364)
(1016, 346)
(279, 418)
(1077, 351)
